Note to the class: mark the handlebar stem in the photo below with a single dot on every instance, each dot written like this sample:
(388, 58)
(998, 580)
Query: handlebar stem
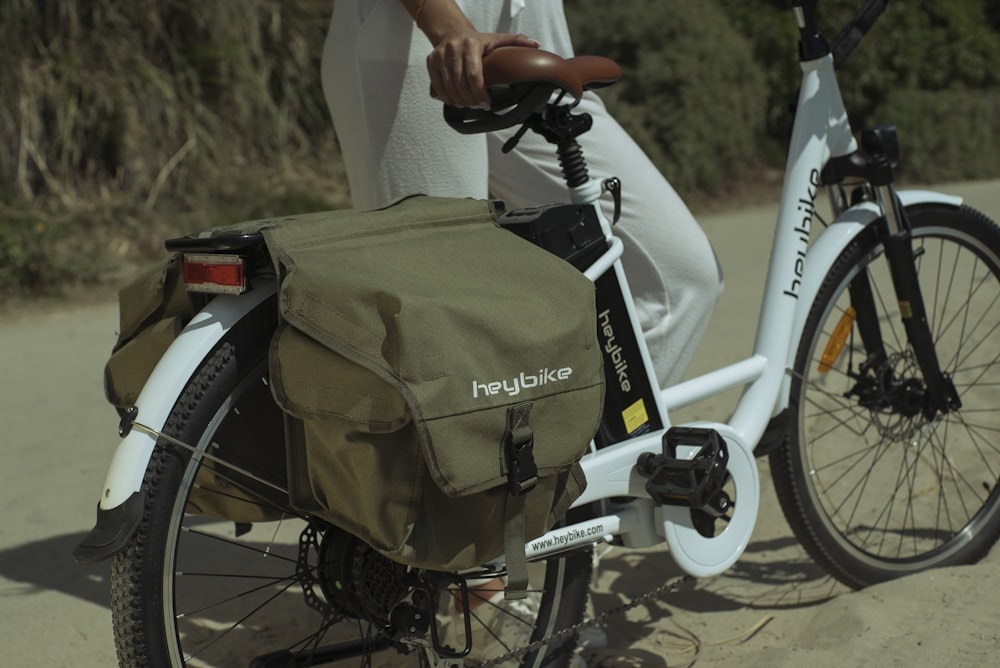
(812, 45)
(805, 14)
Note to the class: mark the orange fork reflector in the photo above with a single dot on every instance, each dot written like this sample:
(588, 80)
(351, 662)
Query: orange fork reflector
(214, 273)
(837, 340)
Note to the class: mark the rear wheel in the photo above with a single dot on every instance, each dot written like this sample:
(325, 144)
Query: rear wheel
(873, 487)
(280, 588)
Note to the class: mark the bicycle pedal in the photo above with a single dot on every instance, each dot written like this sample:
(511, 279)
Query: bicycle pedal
(696, 482)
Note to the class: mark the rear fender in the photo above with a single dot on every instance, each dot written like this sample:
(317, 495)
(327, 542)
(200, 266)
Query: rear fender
(120, 507)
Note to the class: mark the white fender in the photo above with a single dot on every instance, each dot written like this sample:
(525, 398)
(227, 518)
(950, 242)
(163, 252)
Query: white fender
(828, 247)
(161, 391)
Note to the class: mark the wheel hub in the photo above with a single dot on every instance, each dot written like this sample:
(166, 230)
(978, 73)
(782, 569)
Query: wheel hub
(894, 394)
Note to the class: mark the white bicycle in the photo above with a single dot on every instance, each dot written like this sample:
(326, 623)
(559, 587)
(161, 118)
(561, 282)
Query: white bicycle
(872, 384)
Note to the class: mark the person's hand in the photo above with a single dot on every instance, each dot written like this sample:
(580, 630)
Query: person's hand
(456, 65)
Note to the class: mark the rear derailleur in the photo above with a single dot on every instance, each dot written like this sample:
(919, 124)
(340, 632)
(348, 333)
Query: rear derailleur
(413, 623)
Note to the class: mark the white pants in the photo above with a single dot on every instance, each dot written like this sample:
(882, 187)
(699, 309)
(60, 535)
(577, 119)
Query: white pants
(394, 142)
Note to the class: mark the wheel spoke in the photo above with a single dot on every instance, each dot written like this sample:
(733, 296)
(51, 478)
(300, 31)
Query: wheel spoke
(270, 582)
(235, 543)
(261, 500)
(238, 623)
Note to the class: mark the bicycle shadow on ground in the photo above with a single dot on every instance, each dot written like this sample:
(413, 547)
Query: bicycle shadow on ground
(48, 565)
(773, 574)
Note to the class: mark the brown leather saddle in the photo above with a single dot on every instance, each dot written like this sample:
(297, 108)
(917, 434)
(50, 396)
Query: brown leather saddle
(512, 65)
(521, 82)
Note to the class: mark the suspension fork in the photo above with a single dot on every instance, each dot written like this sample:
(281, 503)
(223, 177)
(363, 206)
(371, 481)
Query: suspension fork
(895, 233)
(897, 239)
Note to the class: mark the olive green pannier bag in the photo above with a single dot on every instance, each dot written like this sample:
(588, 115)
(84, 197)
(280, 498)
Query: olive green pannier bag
(441, 378)
(152, 311)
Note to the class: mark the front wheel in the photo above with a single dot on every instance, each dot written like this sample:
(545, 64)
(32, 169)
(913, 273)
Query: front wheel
(223, 572)
(874, 486)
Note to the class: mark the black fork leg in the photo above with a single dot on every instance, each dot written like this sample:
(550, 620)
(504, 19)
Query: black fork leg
(942, 397)
(863, 303)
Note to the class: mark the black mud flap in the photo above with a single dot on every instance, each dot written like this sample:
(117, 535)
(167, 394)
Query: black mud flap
(112, 531)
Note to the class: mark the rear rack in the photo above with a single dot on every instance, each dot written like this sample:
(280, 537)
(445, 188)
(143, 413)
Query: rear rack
(223, 243)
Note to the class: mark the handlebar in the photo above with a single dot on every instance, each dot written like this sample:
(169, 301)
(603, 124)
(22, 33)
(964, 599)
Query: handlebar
(814, 46)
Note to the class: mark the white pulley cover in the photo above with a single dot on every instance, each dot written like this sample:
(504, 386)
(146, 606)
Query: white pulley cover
(702, 556)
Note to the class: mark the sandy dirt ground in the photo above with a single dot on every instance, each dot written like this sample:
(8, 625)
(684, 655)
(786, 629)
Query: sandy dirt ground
(773, 608)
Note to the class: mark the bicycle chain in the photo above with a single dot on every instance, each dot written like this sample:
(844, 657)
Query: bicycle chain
(599, 620)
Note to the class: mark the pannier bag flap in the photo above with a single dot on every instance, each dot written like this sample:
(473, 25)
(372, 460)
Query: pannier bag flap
(461, 318)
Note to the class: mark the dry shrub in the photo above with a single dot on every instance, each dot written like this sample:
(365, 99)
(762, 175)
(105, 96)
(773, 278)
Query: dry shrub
(139, 111)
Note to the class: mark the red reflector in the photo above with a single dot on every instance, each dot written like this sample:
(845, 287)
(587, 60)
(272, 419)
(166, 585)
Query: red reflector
(221, 274)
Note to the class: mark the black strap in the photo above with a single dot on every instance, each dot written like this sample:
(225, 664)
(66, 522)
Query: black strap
(522, 475)
(519, 446)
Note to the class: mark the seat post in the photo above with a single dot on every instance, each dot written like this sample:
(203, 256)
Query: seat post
(561, 127)
(574, 165)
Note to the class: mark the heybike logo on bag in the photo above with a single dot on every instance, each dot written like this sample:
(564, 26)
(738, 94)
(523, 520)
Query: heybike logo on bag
(523, 381)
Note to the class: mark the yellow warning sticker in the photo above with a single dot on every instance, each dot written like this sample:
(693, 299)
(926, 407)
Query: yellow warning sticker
(635, 416)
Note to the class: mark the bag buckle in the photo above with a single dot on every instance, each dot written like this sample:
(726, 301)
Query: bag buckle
(519, 445)
(522, 473)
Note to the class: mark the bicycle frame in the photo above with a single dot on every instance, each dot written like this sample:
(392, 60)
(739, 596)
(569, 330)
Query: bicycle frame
(798, 263)
(799, 260)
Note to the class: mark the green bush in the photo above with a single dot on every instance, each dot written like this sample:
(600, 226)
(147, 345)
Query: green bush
(137, 119)
(919, 52)
(130, 117)
(922, 45)
(28, 263)
(945, 135)
(770, 29)
(692, 94)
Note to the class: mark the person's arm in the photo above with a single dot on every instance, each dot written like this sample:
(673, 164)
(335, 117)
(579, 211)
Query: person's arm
(455, 65)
